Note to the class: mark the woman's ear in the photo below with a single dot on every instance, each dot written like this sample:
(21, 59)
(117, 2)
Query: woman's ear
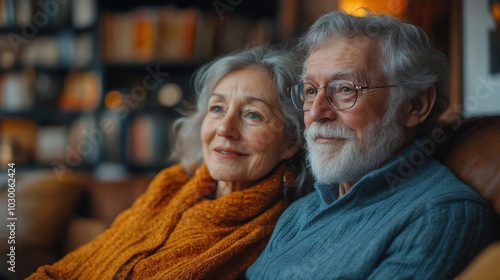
(419, 108)
(290, 150)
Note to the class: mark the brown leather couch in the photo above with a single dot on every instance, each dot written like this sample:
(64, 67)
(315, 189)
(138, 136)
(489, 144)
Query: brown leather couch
(56, 216)
(472, 152)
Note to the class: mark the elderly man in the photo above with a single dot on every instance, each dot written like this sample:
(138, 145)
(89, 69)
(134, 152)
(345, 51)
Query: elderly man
(372, 90)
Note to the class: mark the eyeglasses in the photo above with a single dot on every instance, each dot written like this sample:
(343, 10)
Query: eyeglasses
(340, 94)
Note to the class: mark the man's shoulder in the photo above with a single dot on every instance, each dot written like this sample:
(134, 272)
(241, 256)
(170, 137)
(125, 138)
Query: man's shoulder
(439, 184)
(309, 201)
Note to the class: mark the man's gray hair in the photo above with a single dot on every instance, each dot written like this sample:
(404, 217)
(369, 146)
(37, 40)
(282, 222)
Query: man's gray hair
(408, 58)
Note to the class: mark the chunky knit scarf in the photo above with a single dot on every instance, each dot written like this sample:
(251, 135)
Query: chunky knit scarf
(174, 232)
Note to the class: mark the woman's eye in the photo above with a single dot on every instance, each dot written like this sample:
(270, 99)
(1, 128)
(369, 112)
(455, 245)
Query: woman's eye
(254, 116)
(215, 109)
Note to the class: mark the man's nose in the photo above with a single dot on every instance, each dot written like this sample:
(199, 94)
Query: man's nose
(321, 110)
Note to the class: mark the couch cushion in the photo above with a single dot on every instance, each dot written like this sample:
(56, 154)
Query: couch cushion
(484, 266)
(474, 155)
(110, 198)
(44, 205)
(82, 231)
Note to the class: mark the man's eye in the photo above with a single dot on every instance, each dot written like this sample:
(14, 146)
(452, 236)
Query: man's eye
(309, 91)
(342, 88)
(346, 89)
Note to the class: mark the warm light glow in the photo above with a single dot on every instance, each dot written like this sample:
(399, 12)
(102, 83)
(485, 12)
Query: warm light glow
(170, 94)
(113, 99)
(396, 8)
(495, 11)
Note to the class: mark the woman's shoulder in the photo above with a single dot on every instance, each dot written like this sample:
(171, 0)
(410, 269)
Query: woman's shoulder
(168, 178)
(172, 173)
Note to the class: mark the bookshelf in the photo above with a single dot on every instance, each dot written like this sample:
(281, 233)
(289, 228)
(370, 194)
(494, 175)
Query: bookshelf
(85, 83)
(49, 76)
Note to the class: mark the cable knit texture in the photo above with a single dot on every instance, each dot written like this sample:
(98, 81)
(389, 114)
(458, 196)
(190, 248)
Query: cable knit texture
(174, 232)
(410, 219)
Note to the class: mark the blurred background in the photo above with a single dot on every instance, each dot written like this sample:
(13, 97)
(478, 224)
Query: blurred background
(89, 90)
(94, 85)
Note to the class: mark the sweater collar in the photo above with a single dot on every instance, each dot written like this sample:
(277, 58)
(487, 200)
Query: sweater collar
(388, 175)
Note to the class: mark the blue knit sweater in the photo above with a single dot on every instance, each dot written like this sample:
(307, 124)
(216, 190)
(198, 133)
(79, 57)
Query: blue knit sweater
(410, 219)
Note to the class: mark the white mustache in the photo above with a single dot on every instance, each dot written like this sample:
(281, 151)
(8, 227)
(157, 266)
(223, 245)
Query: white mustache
(328, 130)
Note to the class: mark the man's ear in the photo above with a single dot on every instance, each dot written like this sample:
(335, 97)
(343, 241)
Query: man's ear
(419, 108)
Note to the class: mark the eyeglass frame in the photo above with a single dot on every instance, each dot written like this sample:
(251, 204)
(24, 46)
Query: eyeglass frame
(317, 89)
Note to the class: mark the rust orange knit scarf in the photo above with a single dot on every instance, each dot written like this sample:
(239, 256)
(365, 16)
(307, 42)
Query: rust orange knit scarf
(174, 232)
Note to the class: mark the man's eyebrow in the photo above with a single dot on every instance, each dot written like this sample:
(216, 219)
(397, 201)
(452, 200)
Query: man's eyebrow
(345, 74)
(335, 76)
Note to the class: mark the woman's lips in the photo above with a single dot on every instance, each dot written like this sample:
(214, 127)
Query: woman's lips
(227, 152)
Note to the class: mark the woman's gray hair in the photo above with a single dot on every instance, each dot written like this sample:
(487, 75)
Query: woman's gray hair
(282, 67)
(408, 58)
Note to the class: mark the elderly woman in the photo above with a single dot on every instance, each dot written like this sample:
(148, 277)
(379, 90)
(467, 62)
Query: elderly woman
(211, 215)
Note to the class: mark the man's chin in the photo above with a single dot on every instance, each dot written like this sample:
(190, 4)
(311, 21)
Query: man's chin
(336, 166)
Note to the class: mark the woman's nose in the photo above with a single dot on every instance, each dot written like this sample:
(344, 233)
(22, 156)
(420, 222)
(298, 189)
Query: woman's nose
(228, 127)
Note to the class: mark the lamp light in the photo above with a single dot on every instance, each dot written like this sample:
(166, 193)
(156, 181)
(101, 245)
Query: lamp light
(395, 8)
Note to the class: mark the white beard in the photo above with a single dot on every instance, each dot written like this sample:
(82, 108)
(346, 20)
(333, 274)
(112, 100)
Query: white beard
(349, 159)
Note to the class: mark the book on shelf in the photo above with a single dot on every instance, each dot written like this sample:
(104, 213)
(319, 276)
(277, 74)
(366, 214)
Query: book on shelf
(84, 142)
(177, 30)
(76, 91)
(8, 54)
(47, 88)
(141, 150)
(65, 46)
(148, 141)
(41, 51)
(65, 49)
(81, 92)
(24, 11)
(76, 50)
(205, 36)
(111, 124)
(51, 143)
(84, 13)
(178, 34)
(17, 140)
(287, 19)
(47, 13)
(116, 41)
(7, 12)
(145, 34)
(16, 91)
(84, 50)
(27, 142)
